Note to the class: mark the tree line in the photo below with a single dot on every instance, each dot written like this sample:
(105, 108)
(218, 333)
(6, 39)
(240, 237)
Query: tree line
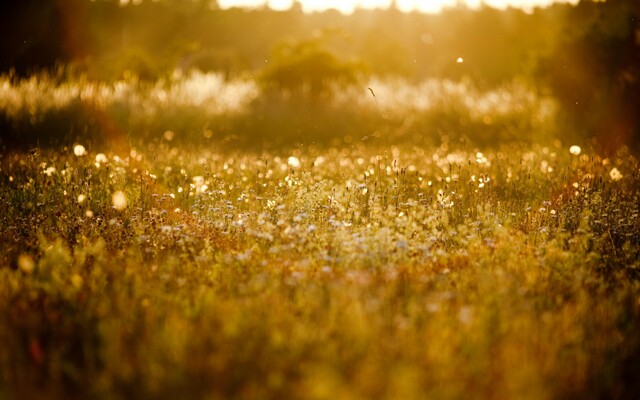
(587, 55)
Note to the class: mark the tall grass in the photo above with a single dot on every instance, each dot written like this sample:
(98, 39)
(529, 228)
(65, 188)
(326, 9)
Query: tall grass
(408, 271)
(205, 108)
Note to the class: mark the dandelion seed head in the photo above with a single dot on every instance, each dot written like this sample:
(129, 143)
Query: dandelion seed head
(293, 162)
(480, 158)
(169, 135)
(119, 200)
(79, 150)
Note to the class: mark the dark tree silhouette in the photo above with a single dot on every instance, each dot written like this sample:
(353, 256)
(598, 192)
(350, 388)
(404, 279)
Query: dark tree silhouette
(595, 71)
(38, 34)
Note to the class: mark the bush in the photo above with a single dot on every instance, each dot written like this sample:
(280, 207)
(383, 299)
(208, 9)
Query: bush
(307, 69)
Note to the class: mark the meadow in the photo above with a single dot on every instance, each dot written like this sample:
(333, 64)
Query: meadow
(432, 242)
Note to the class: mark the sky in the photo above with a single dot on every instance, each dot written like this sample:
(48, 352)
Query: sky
(347, 6)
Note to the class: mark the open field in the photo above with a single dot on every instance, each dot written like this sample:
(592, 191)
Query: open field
(351, 272)
(208, 203)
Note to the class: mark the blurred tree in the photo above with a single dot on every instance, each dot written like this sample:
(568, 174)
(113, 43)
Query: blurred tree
(307, 69)
(37, 34)
(595, 71)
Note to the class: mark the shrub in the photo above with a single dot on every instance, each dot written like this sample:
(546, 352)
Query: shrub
(307, 69)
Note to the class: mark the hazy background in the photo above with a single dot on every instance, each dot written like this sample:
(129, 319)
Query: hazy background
(585, 56)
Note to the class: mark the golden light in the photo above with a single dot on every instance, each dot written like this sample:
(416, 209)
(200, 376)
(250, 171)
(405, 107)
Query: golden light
(426, 6)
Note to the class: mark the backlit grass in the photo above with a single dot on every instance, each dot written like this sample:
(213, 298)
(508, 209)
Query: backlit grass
(362, 271)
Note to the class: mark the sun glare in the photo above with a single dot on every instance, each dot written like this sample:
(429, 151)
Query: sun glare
(348, 6)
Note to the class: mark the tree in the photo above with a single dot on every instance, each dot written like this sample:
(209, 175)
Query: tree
(307, 69)
(38, 34)
(595, 71)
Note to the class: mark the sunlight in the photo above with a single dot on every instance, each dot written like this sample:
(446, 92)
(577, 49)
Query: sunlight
(426, 6)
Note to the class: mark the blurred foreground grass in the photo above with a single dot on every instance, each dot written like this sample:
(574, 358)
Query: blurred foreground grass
(362, 271)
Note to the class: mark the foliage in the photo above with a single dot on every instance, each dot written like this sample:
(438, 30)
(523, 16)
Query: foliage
(585, 55)
(173, 33)
(307, 70)
(203, 109)
(595, 71)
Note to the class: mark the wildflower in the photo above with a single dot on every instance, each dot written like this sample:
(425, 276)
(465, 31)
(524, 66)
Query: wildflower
(119, 200)
(26, 263)
(199, 184)
(49, 171)
(76, 281)
(81, 198)
(481, 158)
(575, 150)
(615, 174)
(79, 150)
(293, 162)
(169, 135)
(101, 158)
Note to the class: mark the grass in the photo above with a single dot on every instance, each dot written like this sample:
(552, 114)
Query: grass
(358, 270)
(205, 109)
